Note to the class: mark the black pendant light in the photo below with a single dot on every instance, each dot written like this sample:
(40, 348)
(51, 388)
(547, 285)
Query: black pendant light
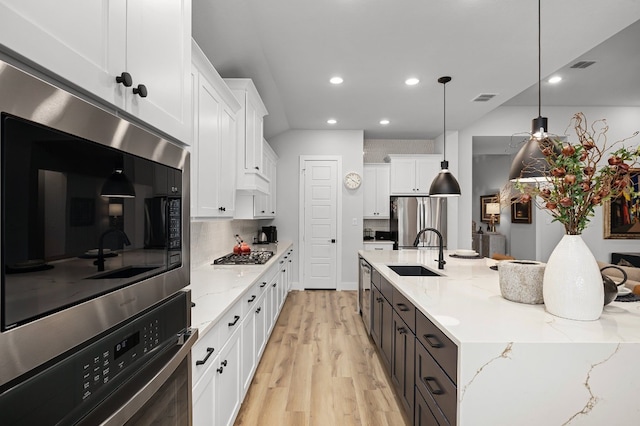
(529, 164)
(118, 185)
(444, 184)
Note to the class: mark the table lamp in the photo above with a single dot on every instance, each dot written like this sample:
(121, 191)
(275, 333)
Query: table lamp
(493, 209)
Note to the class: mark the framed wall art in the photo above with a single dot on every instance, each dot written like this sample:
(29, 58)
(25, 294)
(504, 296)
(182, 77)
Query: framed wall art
(520, 212)
(622, 215)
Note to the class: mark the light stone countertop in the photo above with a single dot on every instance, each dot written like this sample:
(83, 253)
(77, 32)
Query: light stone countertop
(467, 305)
(215, 288)
(518, 364)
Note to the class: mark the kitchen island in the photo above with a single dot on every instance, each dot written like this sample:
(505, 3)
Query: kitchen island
(516, 363)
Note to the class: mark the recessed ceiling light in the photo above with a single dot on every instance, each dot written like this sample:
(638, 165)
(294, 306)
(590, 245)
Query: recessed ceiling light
(336, 80)
(384, 122)
(411, 81)
(555, 79)
(332, 121)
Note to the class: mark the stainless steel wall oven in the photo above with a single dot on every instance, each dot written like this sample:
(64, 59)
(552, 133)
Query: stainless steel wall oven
(94, 224)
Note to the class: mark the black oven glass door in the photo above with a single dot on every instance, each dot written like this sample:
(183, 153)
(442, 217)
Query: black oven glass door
(79, 220)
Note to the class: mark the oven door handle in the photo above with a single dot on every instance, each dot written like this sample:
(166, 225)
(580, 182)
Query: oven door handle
(121, 414)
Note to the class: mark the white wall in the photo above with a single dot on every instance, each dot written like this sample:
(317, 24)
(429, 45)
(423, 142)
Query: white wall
(347, 144)
(507, 121)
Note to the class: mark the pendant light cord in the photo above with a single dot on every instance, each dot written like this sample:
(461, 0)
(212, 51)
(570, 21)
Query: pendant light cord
(444, 121)
(539, 61)
(444, 80)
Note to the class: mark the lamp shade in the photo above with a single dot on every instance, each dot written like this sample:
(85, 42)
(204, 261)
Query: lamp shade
(115, 210)
(493, 208)
(118, 185)
(444, 184)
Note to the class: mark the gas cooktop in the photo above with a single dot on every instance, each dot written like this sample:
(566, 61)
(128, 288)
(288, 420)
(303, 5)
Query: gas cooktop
(253, 258)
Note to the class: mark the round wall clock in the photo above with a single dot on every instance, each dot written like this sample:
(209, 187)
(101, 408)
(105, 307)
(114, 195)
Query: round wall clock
(352, 180)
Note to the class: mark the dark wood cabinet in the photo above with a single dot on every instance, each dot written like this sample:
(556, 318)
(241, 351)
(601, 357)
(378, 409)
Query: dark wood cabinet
(387, 333)
(376, 316)
(423, 414)
(438, 390)
(403, 362)
(420, 359)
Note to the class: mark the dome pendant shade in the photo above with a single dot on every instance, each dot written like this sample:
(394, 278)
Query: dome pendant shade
(530, 164)
(444, 184)
(118, 185)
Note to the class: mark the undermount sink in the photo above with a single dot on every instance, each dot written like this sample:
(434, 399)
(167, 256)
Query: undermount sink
(128, 272)
(413, 271)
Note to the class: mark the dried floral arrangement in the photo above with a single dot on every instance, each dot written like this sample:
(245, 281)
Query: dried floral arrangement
(579, 176)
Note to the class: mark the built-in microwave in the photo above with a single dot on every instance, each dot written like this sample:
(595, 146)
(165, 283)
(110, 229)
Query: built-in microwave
(94, 222)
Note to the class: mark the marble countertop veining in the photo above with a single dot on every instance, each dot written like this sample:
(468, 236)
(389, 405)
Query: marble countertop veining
(215, 288)
(467, 305)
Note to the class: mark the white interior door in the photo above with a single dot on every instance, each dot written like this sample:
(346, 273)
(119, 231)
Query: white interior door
(320, 217)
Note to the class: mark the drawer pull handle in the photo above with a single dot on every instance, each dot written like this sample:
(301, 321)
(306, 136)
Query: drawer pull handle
(437, 390)
(263, 284)
(402, 330)
(206, 358)
(403, 307)
(430, 338)
(235, 321)
(379, 299)
(253, 297)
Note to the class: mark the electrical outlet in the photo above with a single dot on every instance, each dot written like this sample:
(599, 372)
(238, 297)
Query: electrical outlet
(354, 221)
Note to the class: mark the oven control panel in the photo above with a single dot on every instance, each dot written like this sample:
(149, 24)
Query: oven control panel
(82, 378)
(115, 356)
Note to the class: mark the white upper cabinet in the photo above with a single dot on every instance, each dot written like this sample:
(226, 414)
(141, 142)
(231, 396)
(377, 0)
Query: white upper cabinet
(260, 206)
(264, 205)
(375, 184)
(251, 177)
(87, 44)
(413, 174)
(213, 150)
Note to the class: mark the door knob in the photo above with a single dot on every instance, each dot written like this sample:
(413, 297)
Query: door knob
(333, 241)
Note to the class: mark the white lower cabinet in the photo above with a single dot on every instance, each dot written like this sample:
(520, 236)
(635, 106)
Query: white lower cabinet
(225, 359)
(227, 383)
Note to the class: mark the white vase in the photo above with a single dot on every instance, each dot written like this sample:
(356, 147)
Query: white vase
(572, 285)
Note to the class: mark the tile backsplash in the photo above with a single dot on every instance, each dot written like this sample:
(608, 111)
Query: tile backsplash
(212, 239)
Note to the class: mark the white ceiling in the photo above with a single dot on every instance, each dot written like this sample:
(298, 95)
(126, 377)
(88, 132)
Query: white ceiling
(290, 48)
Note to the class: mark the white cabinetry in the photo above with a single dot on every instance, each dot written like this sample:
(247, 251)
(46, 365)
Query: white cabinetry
(251, 175)
(264, 205)
(260, 206)
(378, 245)
(88, 44)
(225, 358)
(413, 174)
(213, 165)
(375, 184)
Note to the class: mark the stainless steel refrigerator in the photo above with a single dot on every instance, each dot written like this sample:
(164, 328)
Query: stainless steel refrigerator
(411, 214)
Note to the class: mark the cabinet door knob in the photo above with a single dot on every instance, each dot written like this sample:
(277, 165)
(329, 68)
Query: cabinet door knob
(258, 310)
(125, 79)
(141, 91)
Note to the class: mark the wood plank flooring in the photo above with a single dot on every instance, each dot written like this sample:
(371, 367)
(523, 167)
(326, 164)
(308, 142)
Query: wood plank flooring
(320, 368)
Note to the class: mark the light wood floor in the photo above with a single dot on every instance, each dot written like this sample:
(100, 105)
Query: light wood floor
(320, 368)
